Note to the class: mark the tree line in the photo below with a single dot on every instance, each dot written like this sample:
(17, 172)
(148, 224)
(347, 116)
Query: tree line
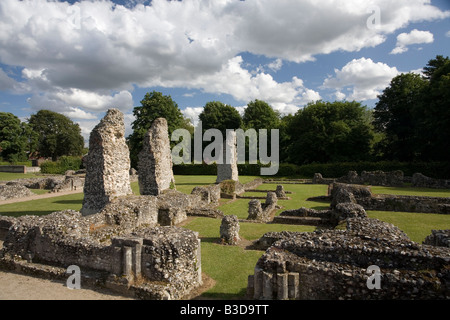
(46, 134)
(410, 122)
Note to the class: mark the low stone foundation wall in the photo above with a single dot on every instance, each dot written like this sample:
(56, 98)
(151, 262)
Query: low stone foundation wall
(334, 265)
(363, 196)
(124, 241)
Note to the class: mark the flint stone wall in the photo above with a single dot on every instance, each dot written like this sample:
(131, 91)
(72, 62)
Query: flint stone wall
(169, 256)
(155, 160)
(333, 265)
(421, 181)
(364, 197)
(262, 212)
(14, 192)
(229, 230)
(107, 164)
(439, 238)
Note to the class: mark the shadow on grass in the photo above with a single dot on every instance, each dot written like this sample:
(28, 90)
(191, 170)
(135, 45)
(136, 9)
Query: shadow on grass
(75, 201)
(214, 240)
(223, 296)
(17, 214)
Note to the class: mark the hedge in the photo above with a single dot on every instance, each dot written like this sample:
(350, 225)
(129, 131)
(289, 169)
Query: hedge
(62, 165)
(439, 170)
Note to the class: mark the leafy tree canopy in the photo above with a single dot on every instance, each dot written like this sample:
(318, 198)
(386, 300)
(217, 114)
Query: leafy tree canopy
(13, 138)
(329, 132)
(57, 134)
(217, 115)
(154, 105)
(260, 115)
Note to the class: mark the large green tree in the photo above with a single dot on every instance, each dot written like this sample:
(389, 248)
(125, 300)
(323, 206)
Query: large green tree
(329, 132)
(395, 115)
(434, 116)
(260, 115)
(154, 105)
(13, 138)
(217, 115)
(57, 135)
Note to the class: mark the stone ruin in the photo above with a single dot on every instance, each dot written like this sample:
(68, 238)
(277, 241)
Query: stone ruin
(14, 191)
(121, 248)
(387, 179)
(263, 212)
(107, 164)
(155, 160)
(421, 181)
(334, 264)
(363, 196)
(125, 242)
(229, 230)
(439, 238)
(19, 188)
(228, 170)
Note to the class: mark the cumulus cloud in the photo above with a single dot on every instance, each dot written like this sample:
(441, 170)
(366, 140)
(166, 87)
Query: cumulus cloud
(88, 56)
(363, 77)
(414, 37)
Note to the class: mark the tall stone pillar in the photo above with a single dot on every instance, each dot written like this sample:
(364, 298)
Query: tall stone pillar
(228, 170)
(107, 164)
(155, 160)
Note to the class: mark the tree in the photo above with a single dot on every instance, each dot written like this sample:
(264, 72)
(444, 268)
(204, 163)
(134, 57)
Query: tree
(434, 116)
(260, 115)
(217, 115)
(57, 135)
(396, 115)
(154, 105)
(329, 132)
(13, 140)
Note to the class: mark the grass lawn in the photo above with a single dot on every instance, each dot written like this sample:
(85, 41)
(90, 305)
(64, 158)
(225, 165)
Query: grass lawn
(230, 266)
(8, 176)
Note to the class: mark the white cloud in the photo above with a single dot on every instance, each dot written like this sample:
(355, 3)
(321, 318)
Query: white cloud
(192, 114)
(414, 37)
(66, 101)
(363, 77)
(275, 65)
(77, 113)
(447, 34)
(91, 54)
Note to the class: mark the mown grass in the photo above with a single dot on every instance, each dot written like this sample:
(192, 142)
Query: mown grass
(8, 176)
(230, 266)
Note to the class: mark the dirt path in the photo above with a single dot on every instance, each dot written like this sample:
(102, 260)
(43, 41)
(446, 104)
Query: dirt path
(40, 196)
(20, 287)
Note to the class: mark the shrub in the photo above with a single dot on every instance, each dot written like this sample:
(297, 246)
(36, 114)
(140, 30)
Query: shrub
(439, 170)
(62, 165)
(228, 186)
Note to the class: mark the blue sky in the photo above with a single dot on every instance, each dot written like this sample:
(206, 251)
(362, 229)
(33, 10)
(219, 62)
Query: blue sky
(81, 58)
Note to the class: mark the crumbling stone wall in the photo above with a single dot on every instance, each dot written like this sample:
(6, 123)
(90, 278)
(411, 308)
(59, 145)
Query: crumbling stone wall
(155, 160)
(364, 197)
(263, 212)
(14, 191)
(107, 164)
(421, 181)
(121, 241)
(229, 230)
(440, 238)
(333, 265)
